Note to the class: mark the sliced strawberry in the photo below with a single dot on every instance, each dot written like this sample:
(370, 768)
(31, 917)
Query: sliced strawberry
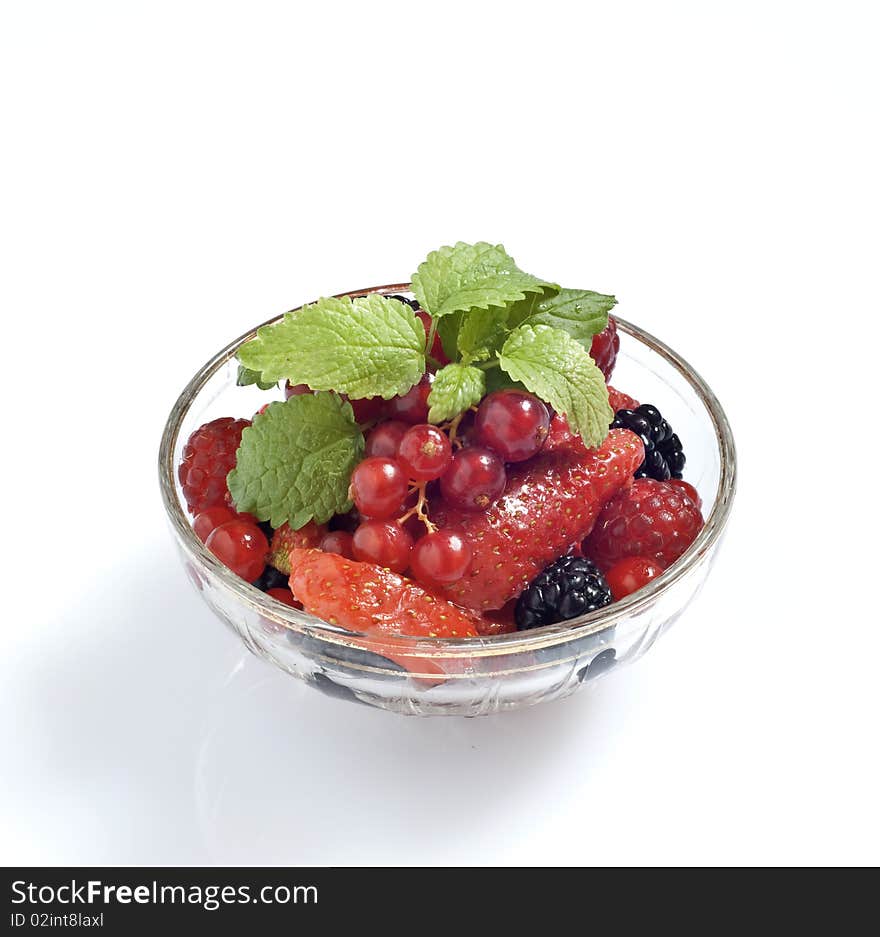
(383, 605)
(284, 540)
(550, 503)
(370, 599)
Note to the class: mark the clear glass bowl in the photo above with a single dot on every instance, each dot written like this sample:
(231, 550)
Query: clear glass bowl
(468, 676)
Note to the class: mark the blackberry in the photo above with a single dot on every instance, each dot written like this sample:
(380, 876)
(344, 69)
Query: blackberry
(272, 578)
(331, 688)
(566, 589)
(267, 529)
(601, 663)
(664, 457)
(413, 303)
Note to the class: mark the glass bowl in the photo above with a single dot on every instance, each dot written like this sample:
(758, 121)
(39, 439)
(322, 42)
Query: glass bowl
(467, 676)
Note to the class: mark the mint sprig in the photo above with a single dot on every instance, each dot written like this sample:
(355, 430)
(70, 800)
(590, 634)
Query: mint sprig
(481, 333)
(581, 313)
(246, 377)
(471, 276)
(499, 326)
(295, 461)
(455, 388)
(370, 346)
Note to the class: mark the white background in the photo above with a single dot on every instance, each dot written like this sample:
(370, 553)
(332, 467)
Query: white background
(173, 173)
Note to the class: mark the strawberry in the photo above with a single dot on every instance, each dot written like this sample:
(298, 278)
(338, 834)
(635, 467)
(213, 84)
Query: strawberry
(367, 598)
(561, 436)
(652, 519)
(620, 401)
(284, 540)
(550, 503)
(383, 605)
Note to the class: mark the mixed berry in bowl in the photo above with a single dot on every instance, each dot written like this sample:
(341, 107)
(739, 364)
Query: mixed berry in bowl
(440, 470)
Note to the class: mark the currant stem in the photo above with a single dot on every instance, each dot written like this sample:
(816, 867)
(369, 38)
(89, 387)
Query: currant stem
(452, 427)
(432, 331)
(420, 509)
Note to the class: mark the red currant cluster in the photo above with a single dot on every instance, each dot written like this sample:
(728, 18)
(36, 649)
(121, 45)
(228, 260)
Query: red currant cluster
(389, 486)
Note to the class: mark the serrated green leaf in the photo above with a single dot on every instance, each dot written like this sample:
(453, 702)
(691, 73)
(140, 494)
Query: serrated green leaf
(481, 333)
(456, 387)
(496, 379)
(295, 461)
(371, 346)
(471, 276)
(247, 377)
(447, 329)
(559, 369)
(581, 313)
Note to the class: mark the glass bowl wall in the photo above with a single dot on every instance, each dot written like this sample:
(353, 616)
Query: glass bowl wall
(470, 676)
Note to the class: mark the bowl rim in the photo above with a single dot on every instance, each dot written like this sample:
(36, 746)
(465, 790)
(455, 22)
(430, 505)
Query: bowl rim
(515, 642)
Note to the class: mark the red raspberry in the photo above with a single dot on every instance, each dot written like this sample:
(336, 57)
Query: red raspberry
(630, 574)
(208, 456)
(652, 519)
(688, 489)
(605, 347)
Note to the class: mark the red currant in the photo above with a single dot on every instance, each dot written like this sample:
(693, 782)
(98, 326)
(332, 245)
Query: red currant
(630, 574)
(412, 407)
(367, 409)
(688, 489)
(210, 519)
(441, 558)
(338, 541)
(378, 487)
(385, 438)
(512, 423)
(474, 479)
(383, 543)
(283, 595)
(425, 452)
(241, 546)
(295, 390)
(604, 348)
(436, 351)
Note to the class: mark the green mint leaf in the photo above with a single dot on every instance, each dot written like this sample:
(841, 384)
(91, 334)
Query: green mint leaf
(295, 461)
(371, 346)
(581, 313)
(456, 387)
(558, 369)
(246, 377)
(447, 329)
(496, 379)
(481, 333)
(471, 276)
